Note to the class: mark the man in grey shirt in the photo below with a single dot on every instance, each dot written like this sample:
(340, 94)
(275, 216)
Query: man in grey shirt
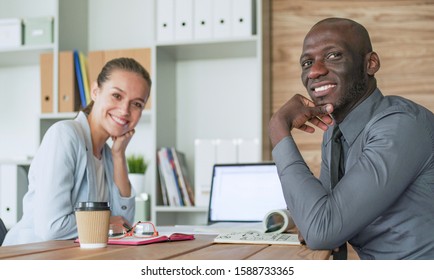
(384, 203)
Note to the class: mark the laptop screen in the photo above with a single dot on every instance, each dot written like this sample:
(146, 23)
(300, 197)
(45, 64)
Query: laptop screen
(244, 192)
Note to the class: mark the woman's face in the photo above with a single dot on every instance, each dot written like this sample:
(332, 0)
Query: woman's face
(119, 102)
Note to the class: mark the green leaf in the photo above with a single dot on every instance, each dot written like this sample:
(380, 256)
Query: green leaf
(137, 164)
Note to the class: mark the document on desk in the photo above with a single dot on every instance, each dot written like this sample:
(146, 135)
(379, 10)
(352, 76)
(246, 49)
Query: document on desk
(274, 229)
(276, 221)
(163, 237)
(254, 237)
(227, 227)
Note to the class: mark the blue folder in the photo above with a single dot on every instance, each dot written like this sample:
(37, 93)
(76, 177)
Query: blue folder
(79, 79)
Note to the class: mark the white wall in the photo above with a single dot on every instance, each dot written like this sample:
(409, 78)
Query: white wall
(115, 24)
(215, 101)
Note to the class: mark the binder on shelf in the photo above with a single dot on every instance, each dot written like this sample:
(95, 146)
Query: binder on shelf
(222, 18)
(202, 20)
(83, 68)
(163, 186)
(173, 195)
(79, 79)
(184, 19)
(175, 185)
(68, 96)
(248, 150)
(208, 152)
(175, 175)
(96, 62)
(226, 151)
(242, 15)
(46, 70)
(181, 173)
(186, 177)
(13, 186)
(165, 20)
(141, 55)
(204, 160)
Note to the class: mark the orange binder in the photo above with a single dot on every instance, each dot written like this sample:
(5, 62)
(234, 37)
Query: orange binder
(46, 70)
(95, 62)
(68, 98)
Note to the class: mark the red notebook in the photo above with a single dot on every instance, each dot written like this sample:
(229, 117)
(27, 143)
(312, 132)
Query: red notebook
(131, 240)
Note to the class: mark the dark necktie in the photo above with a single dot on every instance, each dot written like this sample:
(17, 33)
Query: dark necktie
(337, 170)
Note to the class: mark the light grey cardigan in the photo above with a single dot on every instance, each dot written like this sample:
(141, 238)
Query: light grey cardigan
(61, 175)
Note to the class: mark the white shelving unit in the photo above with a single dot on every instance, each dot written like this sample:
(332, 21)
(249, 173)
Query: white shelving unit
(20, 77)
(201, 89)
(206, 89)
(22, 122)
(23, 55)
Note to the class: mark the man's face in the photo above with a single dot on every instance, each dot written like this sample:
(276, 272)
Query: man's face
(333, 68)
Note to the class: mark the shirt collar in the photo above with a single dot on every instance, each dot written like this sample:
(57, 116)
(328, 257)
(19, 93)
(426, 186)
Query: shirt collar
(356, 120)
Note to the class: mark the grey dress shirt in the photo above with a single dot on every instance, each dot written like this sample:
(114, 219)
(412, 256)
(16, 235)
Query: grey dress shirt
(384, 204)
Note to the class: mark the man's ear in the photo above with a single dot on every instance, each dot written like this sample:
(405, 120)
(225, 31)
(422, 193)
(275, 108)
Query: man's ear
(373, 63)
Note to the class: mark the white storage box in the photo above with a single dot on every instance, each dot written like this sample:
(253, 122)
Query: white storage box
(10, 33)
(38, 31)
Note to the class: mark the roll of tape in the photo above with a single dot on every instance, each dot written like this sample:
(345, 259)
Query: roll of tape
(278, 221)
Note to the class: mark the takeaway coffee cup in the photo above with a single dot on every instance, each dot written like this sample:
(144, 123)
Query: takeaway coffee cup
(93, 220)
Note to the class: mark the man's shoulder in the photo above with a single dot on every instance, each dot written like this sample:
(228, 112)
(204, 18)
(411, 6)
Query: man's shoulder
(393, 104)
(397, 102)
(397, 111)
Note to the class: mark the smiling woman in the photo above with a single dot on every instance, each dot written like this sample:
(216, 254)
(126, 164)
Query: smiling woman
(75, 164)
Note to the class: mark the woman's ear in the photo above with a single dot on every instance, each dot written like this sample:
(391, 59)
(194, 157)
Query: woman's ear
(373, 63)
(94, 90)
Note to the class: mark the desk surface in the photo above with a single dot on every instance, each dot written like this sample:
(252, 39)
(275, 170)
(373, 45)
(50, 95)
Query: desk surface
(202, 248)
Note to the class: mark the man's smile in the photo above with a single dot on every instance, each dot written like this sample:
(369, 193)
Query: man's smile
(322, 90)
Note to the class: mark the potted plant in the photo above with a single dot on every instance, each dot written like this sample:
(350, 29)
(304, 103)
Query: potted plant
(137, 166)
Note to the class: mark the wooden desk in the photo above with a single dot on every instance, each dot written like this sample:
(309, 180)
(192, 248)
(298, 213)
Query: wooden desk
(202, 248)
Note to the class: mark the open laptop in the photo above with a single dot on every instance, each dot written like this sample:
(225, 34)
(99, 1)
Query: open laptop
(244, 193)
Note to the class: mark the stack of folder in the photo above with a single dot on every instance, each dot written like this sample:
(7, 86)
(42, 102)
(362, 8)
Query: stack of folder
(185, 20)
(76, 72)
(73, 83)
